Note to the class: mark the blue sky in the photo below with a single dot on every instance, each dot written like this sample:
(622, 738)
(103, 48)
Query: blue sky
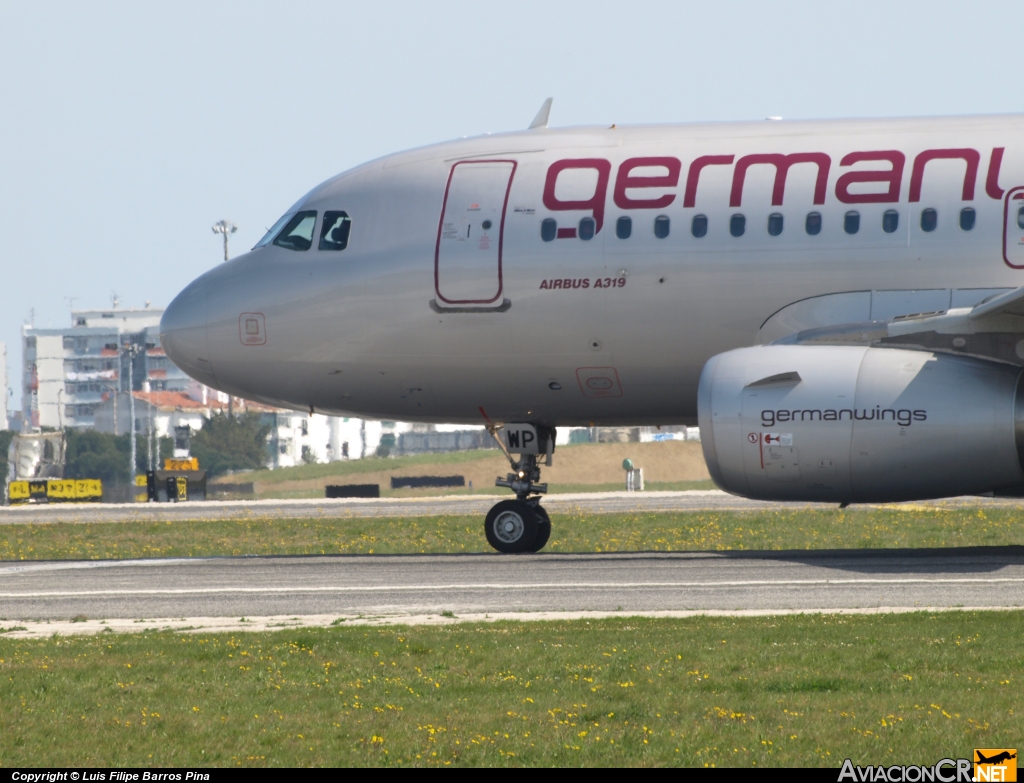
(128, 129)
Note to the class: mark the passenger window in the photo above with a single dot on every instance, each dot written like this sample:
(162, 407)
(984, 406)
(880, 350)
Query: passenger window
(813, 223)
(851, 222)
(699, 226)
(737, 225)
(661, 226)
(929, 219)
(1020, 218)
(298, 232)
(273, 232)
(774, 224)
(548, 229)
(967, 217)
(586, 229)
(890, 221)
(624, 227)
(335, 230)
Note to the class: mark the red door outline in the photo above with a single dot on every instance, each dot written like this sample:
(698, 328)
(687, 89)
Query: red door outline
(501, 234)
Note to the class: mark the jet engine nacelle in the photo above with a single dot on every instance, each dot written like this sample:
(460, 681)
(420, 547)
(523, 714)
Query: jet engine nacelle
(857, 424)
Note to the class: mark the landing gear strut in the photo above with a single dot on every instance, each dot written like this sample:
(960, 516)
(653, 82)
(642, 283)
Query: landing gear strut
(521, 525)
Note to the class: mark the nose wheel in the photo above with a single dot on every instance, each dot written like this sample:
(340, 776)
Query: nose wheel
(514, 526)
(511, 526)
(520, 525)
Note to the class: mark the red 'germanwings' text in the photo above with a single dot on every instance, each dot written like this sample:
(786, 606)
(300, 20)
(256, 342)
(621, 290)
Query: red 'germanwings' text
(881, 183)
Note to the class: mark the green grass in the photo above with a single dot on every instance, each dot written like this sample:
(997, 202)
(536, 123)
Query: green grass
(761, 530)
(780, 691)
(357, 466)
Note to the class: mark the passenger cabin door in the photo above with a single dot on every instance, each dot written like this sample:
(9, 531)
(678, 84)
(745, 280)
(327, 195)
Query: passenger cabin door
(1013, 228)
(467, 257)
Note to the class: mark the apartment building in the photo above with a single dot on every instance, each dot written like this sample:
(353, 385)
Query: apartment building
(67, 373)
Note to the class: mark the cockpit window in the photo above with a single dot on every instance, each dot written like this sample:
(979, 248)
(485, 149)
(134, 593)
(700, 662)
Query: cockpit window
(269, 236)
(335, 230)
(298, 232)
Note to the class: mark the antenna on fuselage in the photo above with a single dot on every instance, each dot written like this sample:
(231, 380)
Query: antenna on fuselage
(541, 120)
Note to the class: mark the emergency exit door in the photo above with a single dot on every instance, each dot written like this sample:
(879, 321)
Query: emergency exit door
(467, 258)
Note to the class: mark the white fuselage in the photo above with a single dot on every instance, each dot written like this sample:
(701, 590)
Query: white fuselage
(430, 315)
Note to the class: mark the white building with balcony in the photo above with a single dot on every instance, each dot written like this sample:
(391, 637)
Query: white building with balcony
(67, 373)
(294, 437)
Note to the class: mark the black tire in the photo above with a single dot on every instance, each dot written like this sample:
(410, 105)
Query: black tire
(543, 529)
(511, 526)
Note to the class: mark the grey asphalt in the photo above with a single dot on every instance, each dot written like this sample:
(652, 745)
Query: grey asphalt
(348, 585)
(596, 502)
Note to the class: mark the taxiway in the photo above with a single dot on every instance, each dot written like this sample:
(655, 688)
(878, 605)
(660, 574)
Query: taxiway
(481, 583)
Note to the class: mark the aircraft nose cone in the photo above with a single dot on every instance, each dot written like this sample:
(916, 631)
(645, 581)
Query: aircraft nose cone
(183, 333)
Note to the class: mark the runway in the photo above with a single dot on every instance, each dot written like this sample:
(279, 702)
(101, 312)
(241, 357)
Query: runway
(350, 586)
(590, 502)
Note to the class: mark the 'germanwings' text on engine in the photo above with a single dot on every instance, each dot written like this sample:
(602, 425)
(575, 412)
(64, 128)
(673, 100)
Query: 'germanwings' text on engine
(838, 304)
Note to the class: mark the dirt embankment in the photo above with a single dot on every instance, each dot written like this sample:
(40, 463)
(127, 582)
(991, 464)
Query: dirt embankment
(592, 463)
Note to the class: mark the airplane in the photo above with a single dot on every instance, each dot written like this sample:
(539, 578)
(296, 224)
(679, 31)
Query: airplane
(996, 759)
(838, 304)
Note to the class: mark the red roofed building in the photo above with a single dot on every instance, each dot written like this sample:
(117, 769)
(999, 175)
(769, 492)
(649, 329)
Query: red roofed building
(295, 436)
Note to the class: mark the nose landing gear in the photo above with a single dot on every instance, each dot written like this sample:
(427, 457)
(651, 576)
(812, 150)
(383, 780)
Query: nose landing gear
(521, 525)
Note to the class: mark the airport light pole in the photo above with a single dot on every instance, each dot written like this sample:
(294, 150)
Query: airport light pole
(132, 350)
(225, 227)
